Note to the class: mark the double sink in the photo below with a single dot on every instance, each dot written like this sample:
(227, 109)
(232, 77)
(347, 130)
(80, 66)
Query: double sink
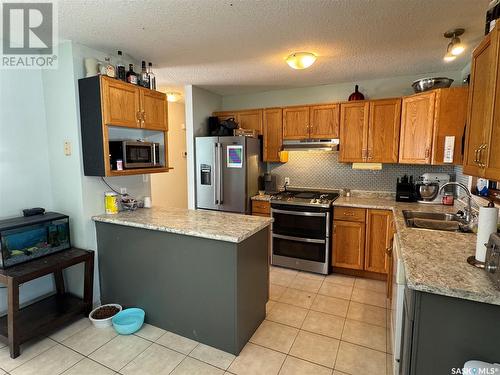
(436, 221)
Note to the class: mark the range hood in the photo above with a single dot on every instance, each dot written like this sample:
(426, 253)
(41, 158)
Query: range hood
(311, 144)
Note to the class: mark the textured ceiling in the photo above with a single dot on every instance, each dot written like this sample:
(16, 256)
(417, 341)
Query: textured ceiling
(239, 46)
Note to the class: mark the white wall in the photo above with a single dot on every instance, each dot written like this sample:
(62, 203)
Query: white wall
(24, 159)
(170, 189)
(200, 104)
(372, 89)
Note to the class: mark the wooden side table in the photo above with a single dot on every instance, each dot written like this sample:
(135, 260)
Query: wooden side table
(41, 317)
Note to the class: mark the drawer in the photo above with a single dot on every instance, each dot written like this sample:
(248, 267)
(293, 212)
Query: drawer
(349, 214)
(261, 207)
(260, 214)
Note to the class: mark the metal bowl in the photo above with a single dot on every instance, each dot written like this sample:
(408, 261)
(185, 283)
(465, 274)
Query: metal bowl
(429, 192)
(425, 84)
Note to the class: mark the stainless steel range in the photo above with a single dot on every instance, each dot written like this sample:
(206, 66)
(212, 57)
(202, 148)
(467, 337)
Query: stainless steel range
(301, 229)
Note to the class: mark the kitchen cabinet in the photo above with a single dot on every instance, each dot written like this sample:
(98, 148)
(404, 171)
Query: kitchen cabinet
(433, 325)
(426, 119)
(107, 106)
(154, 110)
(378, 240)
(362, 239)
(120, 103)
(369, 131)
(481, 157)
(246, 119)
(296, 123)
(272, 134)
(124, 104)
(324, 121)
(383, 131)
(349, 244)
(353, 131)
(261, 208)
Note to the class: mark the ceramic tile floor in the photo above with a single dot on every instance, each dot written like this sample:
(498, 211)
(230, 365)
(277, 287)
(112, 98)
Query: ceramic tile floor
(317, 325)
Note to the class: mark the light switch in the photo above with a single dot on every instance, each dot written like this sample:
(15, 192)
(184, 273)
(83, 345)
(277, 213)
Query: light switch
(67, 148)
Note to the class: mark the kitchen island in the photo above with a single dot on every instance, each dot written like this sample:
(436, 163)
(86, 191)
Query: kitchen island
(200, 274)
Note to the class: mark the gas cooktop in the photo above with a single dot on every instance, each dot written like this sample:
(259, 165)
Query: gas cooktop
(305, 198)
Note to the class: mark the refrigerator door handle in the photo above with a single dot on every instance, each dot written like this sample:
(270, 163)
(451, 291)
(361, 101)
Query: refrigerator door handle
(221, 172)
(215, 174)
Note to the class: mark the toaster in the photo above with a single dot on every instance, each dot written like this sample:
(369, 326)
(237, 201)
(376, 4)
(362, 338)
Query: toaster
(492, 263)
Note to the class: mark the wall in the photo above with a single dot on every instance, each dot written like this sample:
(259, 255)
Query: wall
(328, 173)
(200, 104)
(170, 189)
(24, 159)
(372, 89)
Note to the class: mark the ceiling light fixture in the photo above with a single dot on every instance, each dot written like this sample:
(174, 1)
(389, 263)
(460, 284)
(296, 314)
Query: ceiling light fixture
(455, 47)
(173, 96)
(301, 60)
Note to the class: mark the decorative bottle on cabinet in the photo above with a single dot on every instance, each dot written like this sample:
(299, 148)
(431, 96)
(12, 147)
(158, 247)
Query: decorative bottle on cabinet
(356, 95)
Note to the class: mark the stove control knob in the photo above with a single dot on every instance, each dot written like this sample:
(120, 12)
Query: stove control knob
(491, 267)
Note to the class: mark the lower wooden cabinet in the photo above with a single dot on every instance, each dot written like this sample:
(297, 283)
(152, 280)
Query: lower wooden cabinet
(378, 240)
(349, 244)
(362, 242)
(261, 208)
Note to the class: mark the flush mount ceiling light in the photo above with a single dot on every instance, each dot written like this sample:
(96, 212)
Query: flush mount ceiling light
(173, 96)
(455, 47)
(301, 60)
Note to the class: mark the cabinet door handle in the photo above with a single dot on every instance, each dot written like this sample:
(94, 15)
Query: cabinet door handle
(427, 153)
(364, 153)
(482, 164)
(476, 156)
(138, 117)
(388, 251)
(370, 154)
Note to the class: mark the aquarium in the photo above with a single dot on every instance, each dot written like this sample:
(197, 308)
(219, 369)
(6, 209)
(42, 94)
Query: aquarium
(26, 238)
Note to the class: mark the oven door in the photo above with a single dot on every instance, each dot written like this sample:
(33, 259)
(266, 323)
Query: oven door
(138, 155)
(300, 238)
(301, 222)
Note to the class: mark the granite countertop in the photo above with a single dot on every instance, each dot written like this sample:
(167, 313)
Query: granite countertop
(435, 261)
(261, 197)
(215, 225)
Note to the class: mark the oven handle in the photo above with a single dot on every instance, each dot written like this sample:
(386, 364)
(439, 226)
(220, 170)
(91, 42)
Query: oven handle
(291, 238)
(299, 213)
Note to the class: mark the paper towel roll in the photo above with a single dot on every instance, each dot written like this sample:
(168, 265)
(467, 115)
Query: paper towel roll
(488, 217)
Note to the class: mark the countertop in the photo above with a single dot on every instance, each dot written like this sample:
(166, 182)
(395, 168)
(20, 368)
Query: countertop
(261, 197)
(434, 261)
(213, 225)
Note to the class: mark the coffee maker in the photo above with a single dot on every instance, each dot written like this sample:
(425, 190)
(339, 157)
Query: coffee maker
(427, 190)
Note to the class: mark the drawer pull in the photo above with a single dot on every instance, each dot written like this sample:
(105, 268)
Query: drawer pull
(348, 213)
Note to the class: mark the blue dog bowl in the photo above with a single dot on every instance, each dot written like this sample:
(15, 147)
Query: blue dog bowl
(128, 321)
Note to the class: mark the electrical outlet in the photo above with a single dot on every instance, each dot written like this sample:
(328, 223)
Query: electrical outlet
(123, 190)
(287, 180)
(67, 148)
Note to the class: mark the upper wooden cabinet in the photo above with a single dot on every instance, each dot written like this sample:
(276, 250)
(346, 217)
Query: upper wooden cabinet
(296, 123)
(353, 131)
(383, 131)
(272, 134)
(379, 236)
(482, 157)
(426, 119)
(154, 110)
(324, 121)
(120, 103)
(131, 106)
(369, 131)
(247, 119)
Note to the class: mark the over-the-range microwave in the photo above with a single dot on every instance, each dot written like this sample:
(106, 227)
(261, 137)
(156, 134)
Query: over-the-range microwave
(134, 154)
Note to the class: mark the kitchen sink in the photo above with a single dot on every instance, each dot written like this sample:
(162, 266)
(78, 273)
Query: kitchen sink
(435, 221)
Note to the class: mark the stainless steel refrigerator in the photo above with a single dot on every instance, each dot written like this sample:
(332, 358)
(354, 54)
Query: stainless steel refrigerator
(227, 172)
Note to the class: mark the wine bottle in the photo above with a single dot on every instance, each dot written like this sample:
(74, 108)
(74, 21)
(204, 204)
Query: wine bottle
(152, 77)
(131, 75)
(120, 67)
(144, 77)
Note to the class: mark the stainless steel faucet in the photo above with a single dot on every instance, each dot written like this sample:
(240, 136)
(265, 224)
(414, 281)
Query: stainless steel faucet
(468, 211)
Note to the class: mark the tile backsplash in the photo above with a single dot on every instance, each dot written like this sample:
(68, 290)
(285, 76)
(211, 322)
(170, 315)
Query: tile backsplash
(316, 169)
